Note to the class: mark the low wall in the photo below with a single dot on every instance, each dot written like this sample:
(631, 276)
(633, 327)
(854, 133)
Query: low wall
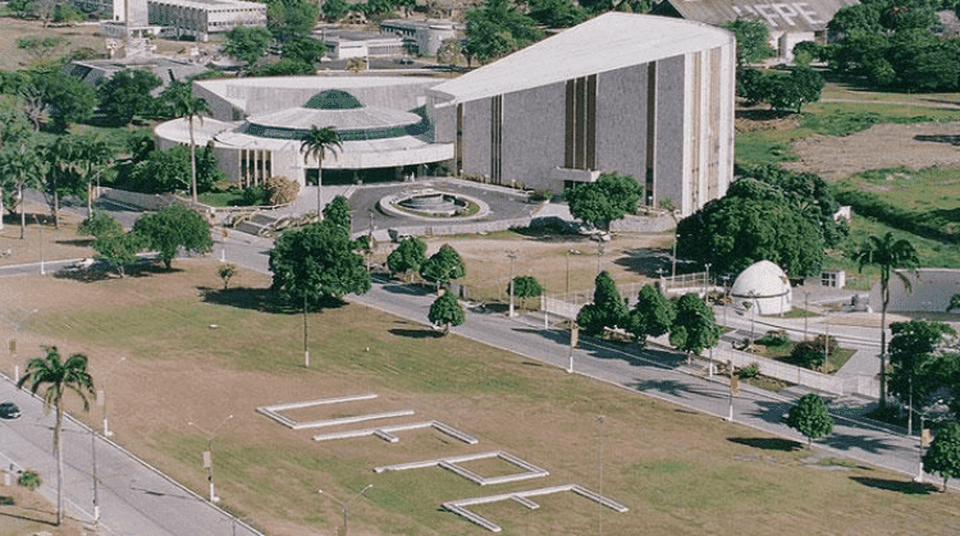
(643, 224)
(143, 201)
(790, 373)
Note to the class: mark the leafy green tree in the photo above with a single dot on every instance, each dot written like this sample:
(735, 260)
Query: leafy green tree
(173, 228)
(29, 479)
(21, 7)
(185, 105)
(497, 28)
(15, 125)
(338, 212)
(117, 249)
(694, 327)
(66, 100)
(943, 456)
(409, 255)
(810, 417)
(752, 222)
(784, 91)
(90, 156)
(652, 316)
(446, 310)
(247, 44)
(556, 13)
(753, 41)
(22, 167)
(317, 262)
(306, 51)
(888, 254)
(913, 349)
(163, 171)
(56, 376)
(954, 303)
(443, 266)
(98, 224)
(291, 19)
(316, 144)
(127, 95)
(814, 352)
(226, 272)
(66, 13)
(526, 286)
(334, 10)
(609, 198)
(607, 309)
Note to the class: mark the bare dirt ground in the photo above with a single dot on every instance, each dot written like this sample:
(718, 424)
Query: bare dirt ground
(886, 145)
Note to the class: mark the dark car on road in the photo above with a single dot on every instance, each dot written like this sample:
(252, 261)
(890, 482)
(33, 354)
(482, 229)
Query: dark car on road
(9, 410)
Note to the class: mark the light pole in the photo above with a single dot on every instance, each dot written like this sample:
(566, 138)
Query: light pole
(93, 454)
(345, 505)
(306, 352)
(706, 283)
(13, 345)
(512, 255)
(208, 455)
(103, 398)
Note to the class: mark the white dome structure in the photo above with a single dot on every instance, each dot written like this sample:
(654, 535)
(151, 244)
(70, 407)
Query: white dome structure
(765, 286)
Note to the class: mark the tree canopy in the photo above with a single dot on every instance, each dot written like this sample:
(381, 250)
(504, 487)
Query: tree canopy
(943, 456)
(914, 349)
(446, 310)
(609, 198)
(126, 96)
(497, 28)
(753, 40)
(66, 100)
(408, 256)
(810, 417)
(247, 44)
(173, 228)
(317, 262)
(784, 91)
(652, 316)
(338, 212)
(607, 309)
(694, 326)
(443, 266)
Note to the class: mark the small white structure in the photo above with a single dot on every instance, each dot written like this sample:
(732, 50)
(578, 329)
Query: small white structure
(764, 286)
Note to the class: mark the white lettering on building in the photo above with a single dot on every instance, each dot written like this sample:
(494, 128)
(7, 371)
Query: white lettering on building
(777, 15)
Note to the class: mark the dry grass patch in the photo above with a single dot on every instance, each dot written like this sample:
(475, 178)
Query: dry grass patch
(678, 472)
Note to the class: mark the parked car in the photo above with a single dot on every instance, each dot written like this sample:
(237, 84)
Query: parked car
(9, 410)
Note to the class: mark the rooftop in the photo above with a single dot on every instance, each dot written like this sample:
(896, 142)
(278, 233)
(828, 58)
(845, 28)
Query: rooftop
(605, 43)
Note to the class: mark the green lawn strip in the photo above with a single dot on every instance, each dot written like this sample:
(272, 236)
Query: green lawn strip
(782, 353)
(924, 190)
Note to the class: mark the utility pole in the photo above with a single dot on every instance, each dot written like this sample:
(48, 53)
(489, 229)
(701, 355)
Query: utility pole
(208, 455)
(512, 255)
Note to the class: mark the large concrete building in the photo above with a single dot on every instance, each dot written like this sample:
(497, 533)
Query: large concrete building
(651, 97)
(647, 96)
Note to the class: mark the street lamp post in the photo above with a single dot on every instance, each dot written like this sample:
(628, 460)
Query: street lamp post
(103, 398)
(512, 255)
(306, 351)
(345, 505)
(208, 455)
(13, 346)
(93, 453)
(706, 283)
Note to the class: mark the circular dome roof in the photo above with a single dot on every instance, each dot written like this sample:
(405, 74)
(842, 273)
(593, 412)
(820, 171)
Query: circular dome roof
(762, 279)
(364, 123)
(333, 99)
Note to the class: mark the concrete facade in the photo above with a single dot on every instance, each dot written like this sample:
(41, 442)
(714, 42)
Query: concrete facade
(203, 18)
(423, 36)
(663, 115)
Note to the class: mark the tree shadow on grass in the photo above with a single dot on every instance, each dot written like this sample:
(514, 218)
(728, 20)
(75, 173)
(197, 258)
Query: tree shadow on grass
(768, 443)
(899, 486)
(78, 242)
(423, 333)
(847, 442)
(261, 299)
(670, 387)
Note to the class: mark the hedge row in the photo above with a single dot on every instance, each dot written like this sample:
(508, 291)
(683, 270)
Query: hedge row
(925, 224)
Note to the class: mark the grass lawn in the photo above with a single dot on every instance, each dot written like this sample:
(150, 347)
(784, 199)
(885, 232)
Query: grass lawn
(782, 353)
(678, 472)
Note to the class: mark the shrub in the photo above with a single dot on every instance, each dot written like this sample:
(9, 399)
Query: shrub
(252, 196)
(29, 479)
(810, 352)
(774, 337)
(750, 371)
(281, 190)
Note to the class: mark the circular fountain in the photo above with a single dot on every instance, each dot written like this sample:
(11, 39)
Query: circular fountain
(428, 204)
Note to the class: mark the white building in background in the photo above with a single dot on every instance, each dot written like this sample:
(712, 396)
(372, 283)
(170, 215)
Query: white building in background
(422, 36)
(764, 287)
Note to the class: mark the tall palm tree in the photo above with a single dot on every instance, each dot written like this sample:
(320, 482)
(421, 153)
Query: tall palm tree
(26, 168)
(184, 104)
(94, 156)
(316, 144)
(58, 376)
(888, 254)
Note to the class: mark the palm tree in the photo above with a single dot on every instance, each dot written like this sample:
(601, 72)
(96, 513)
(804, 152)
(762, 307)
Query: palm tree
(26, 167)
(184, 104)
(315, 144)
(94, 156)
(58, 376)
(888, 254)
